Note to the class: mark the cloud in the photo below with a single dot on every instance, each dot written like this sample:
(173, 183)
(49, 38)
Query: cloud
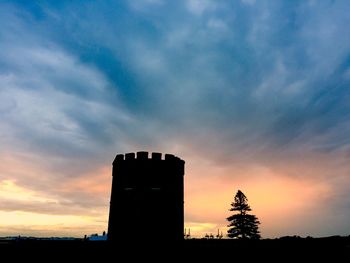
(248, 2)
(197, 7)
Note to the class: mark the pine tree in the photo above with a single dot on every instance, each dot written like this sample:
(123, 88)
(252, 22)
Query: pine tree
(242, 225)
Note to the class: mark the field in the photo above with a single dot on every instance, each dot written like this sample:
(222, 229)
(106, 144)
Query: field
(279, 250)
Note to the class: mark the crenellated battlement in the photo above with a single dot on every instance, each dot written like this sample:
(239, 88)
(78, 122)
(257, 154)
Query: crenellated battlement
(142, 155)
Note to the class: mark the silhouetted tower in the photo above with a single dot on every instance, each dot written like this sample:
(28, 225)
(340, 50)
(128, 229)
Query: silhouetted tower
(147, 199)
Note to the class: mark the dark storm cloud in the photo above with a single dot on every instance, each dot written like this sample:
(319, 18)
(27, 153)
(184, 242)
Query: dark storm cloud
(230, 70)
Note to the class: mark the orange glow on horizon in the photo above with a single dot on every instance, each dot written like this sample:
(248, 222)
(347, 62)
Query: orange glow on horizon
(276, 198)
(98, 182)
(14, 221)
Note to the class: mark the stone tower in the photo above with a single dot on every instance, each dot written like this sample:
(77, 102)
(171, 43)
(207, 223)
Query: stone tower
(147, 199)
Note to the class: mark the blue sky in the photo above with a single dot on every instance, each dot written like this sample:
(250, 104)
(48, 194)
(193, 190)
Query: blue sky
(252, 90)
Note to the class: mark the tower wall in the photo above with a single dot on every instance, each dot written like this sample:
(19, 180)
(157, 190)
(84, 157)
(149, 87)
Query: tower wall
(147, 199)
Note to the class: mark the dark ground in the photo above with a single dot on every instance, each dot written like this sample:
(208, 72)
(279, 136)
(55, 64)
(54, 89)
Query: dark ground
(288, 249)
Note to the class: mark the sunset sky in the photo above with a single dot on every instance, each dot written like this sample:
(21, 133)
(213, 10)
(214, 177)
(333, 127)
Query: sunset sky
(253, 95)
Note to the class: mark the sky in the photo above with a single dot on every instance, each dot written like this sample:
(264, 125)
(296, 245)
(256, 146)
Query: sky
(253, 95)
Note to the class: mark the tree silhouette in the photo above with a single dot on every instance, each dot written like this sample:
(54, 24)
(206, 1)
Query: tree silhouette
(242, 225)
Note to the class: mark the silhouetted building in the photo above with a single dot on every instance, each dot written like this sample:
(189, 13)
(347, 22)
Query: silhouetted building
(147, 199)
